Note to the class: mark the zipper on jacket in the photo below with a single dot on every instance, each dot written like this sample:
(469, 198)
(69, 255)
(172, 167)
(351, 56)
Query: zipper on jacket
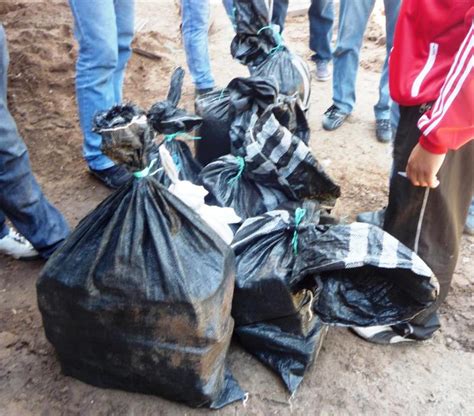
(415, 89)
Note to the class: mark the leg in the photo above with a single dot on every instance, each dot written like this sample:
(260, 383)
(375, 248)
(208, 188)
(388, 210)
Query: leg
(96, 32)
(21, 198)
(353, 18)
(280, 9)
(431, 226)
(195, 27)
(125, 17)
(321, 19)
(382, 108)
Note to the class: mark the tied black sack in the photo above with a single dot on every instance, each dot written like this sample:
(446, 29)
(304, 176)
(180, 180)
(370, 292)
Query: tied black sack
(259, 45)
(298, 271)
(274, 320)
(122, 301)
(228, 180)
(175, 124)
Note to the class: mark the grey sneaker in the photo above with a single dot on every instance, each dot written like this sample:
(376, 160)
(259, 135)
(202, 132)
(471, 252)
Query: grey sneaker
(322, 71)
(386, 335)
(333, 118)
(383, 130)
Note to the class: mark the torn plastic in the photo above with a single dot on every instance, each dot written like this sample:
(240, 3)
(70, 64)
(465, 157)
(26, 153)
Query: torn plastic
(124, 303)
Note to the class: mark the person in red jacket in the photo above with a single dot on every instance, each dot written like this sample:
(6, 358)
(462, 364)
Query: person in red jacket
(432, 79)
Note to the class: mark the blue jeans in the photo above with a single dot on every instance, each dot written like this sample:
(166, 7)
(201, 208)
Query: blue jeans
(195, 28)
(21, 199)
(321, 20)
(353, 19)
(104, 30)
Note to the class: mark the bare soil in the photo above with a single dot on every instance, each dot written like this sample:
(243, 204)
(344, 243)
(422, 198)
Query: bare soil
(350, 376)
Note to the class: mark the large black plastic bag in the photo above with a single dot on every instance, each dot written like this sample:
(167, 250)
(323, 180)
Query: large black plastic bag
(296, 271)
(365, 277)
(274, 321)
(124, 304)
(259, 45)
(227, 180)
(165, 118)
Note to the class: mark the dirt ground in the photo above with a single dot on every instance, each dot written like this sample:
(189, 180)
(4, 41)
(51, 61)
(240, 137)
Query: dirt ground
(350, 376)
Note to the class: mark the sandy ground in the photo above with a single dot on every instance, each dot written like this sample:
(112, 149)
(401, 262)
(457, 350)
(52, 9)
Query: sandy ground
(350, 376)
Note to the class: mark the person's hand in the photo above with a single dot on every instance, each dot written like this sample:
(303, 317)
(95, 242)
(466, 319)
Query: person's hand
(423, 166)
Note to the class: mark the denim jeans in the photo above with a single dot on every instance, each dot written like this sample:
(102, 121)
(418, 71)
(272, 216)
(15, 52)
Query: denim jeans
(353, 19)
(104, 30)
(195, 28)
(21, 199)
(280, 9)
(321, 20)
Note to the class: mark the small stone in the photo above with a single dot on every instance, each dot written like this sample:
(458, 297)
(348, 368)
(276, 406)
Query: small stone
(7, 339)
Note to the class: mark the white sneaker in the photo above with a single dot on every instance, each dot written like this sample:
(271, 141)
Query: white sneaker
(384, 334)
(17, 246)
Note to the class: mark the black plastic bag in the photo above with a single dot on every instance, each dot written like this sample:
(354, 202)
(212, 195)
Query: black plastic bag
(214, 109)
(365, 277)
(259, 45)
(228, 182)
(270, 147)
(124, 304)
(297, 271)
(274, 321)
(289, 71)
(175, 124)
(227, 114)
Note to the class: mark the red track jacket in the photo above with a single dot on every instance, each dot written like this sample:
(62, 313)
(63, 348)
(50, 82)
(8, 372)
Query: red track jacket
(432, 60)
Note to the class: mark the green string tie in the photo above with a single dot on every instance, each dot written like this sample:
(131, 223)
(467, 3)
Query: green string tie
(146, 172)
(299, 215)
(186, 136)
(277, 37)
(241, 162)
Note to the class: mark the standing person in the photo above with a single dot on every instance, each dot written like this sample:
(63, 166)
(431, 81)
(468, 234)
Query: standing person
(432, 78)
(195, 30)
(353, 18)
(104, 30)
(321, 21)
(21, 199)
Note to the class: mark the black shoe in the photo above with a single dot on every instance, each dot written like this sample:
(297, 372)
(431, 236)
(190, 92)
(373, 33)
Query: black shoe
(372, 217)
(383, 131)
(333, 118)
(113, 177)
(201, 91)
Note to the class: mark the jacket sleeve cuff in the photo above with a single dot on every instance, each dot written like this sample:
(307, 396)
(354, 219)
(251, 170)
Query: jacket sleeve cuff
(431, 147)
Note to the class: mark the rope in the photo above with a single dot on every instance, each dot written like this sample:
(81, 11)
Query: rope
(186, 136)
(146, 172)
(241, 162)
(299, 215)
(276, 36)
